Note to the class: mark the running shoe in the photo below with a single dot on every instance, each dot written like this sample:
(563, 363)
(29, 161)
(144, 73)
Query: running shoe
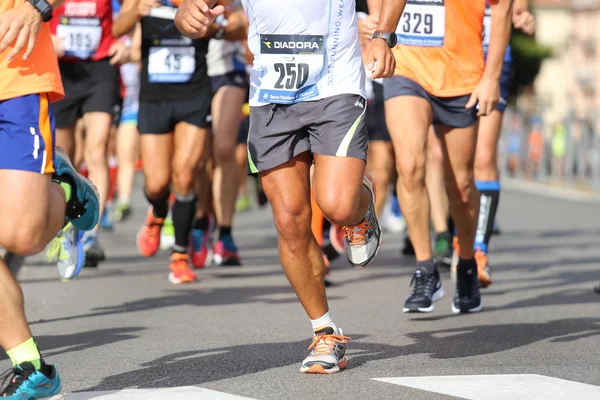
(496, 230)
(408, 249)
(202, 254)
(83, 208)
(180, 269)
(67, 250)
(243, 203)
(94, 253)
(106, 222)
(148, 238)
(466, 297)
(442, 250)
(454, 263)
(167, 234)
(327, 352)
(394, 220)
(25, 383)
(425, 290)
(483, 268)
(261, 198)
(364, 239)
(226, 253)
(122, 211)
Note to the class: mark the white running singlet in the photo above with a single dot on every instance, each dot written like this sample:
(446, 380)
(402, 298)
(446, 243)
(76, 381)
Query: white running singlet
(303, 50)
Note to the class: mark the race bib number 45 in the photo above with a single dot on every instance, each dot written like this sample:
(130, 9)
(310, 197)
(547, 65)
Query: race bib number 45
(81, 36)
(292, 66)
(171, 64)
(423, 23)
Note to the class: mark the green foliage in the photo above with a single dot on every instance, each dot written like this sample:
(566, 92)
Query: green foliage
(527, 59)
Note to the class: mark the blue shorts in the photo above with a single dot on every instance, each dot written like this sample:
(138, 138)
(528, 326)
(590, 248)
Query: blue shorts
(505, 81)
(27, 134)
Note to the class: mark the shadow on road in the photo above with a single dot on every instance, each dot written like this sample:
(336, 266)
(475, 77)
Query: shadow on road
(208, 365)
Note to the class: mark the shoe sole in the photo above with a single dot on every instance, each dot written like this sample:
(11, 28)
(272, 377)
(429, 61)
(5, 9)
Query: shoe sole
(85, 180)
(208, 261)
(226, 262)
(436, 297)
(178, 281)
(318, 368)
(373, 191)
(59, 396)
(467, 310)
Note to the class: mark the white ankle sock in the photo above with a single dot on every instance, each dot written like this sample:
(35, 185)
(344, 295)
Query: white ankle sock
(322, 322)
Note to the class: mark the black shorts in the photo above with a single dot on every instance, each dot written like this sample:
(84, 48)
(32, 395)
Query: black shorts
(244, 129)
(159, 117)
(447, 111)
(90, 86)
(233, 78)
(376, 116)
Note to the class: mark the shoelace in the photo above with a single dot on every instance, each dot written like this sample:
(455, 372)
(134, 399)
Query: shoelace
(54, 250)
(356, 234)
(421, 284)
(154, 229)
(18, 377)
(324, 344)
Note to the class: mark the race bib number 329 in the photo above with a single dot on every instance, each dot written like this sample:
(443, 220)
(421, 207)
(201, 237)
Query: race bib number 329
(292, 65)
(423, 23)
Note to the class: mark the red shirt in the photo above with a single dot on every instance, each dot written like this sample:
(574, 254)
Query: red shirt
(85, 27)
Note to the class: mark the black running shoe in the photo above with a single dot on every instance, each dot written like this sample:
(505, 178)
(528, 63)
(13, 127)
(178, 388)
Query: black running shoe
(442, 250)
(467, 297)
(408, 249)
(597, 289)
(425, 290)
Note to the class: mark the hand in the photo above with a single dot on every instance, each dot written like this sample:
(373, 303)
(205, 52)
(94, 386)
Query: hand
(524, 20)
(144, 7)
(194, 17)
(487, 93)
(59, 46)
(119, 53)
(378, 59)
(366, 27)
(19, 25)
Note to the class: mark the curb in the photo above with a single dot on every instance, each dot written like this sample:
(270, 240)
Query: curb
(541, 189)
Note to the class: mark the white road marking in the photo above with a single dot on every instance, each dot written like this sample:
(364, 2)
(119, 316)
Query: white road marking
(177, 393)
(500, 387)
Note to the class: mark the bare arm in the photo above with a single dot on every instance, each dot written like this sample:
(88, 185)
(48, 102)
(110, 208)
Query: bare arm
(499, 37)
(136, 44)
(127, 18)
(236, 28)
(374, 7)
(391, 11)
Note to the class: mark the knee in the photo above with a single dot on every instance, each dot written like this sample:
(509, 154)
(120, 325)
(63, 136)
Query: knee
(96, 157)
(460, 187)
(26, 241)
(339, 204)
(293, 219)
(485, 160)
(224, 153)
(411, 169)
(156, 187)
(183, 179)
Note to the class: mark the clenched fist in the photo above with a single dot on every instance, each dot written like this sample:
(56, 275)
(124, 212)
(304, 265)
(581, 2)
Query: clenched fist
(194, 16)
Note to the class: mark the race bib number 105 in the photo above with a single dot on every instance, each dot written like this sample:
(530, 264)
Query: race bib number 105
(423, 23)
(81, 36)
(292, 65)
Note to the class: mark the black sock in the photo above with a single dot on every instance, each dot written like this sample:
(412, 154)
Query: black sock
(202, 223)
(224, 231)
(488, 205)
(467, 263)
(160, 205)
(184, 210)
(427, 264)
(451, 226)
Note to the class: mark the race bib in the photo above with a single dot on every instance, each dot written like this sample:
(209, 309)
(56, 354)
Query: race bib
(487, 28)
(81, 36)
(171, 64)
(423, 23)
(292, 66)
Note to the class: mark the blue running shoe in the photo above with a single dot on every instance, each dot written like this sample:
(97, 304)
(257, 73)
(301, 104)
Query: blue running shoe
(28, 384)
(396, 211)
(83, 208)
(67, 250)
(226, 252)
(106, 222)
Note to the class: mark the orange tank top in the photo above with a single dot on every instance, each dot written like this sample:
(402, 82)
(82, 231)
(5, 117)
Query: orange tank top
(38, 74)
(440, 45)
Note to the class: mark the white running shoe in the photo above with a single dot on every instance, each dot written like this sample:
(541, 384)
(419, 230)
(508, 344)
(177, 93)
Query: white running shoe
(327, 352)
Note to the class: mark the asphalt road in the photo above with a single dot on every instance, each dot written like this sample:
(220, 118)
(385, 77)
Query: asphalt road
(242, 332)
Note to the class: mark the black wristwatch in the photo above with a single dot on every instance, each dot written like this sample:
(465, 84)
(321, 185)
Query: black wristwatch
(389, 37)
(43, 7)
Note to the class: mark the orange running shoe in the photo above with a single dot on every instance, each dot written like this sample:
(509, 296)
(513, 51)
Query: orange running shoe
(180, 269)
(483, 269)
(148, 238)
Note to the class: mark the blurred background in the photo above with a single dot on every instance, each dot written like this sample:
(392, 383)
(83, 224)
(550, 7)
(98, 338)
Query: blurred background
(551, 131)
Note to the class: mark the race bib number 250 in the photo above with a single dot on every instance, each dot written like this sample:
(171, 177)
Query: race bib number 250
(292, 65)
(423, 23)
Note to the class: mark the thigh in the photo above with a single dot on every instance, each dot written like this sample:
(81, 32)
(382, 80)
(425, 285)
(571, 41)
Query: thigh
(381, 156)
(97, 130)
(157, 153)
(451, 112)
(337, 126)
(27, 134)
(340, 177)
(275, 137)
(226, 106)
(189, 144)
(458, 145)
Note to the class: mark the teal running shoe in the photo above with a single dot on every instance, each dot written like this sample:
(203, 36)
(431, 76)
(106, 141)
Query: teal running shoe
(67, 250)
(25, 383)
(83, 209)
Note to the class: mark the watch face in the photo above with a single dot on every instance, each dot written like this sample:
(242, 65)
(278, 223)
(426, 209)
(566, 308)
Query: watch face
(393, 39)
